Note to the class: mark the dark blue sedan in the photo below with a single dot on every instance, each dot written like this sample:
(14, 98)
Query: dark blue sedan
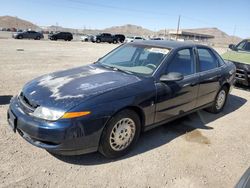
(106, 105)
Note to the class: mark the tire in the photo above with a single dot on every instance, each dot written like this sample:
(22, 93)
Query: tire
(98, 40)
(37, 38)
(115, 41)
(120, 134)
(20, 37)
(220, 101)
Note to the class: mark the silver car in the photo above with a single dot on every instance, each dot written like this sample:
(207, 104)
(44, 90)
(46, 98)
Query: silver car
(28, 35)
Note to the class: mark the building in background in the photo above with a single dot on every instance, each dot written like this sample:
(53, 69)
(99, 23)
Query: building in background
(190, 36)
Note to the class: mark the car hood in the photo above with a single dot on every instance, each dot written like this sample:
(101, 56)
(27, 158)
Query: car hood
(237, 56)
(66, 89)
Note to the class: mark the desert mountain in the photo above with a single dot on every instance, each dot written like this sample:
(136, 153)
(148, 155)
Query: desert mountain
(15, 22)
(129, 29)
(220, 37)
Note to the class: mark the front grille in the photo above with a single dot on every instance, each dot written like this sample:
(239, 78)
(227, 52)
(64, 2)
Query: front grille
(26, 103)
(240, 74)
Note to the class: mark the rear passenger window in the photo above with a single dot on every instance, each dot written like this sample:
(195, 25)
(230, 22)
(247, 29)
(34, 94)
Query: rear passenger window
(182, 63)
(207, 59)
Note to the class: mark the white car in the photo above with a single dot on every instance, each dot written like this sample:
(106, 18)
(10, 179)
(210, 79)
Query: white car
(135, 38)
(84, 38)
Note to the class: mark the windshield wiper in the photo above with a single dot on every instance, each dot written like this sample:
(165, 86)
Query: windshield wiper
(116, 68)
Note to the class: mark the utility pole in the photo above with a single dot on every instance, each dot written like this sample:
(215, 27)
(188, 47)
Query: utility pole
(234, 33)
(178, 27)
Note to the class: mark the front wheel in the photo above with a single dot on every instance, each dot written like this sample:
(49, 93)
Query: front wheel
(120, 134)
(219, 101)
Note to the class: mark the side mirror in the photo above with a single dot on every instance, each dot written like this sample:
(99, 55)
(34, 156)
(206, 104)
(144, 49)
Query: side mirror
(172, 76)
(232, 47)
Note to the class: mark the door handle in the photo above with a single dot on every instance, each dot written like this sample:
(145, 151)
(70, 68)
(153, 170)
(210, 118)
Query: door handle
(193, 84)
(190, 84)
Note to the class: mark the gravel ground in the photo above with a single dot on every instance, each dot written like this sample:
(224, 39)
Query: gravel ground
(200, 150)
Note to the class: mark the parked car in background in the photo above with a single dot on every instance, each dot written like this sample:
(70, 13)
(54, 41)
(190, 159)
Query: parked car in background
(157, 38)
(240, 56)
(134, 38)
(84, 38)
(13, 29)
(106, 105)
(67, 36)
(121, 38)
(87, 38)
(28, 35)
(105, 37)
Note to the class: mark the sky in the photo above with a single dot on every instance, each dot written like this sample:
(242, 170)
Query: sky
(231, 16)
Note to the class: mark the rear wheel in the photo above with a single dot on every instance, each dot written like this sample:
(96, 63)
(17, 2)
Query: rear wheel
(120, 134)
(115, 41)
(219, 101)
(98, 40)
(20, 37)
(38, 38)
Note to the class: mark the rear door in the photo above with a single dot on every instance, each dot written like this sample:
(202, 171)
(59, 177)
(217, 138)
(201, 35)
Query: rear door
(61, 35)
(175, 98)
(210, 75)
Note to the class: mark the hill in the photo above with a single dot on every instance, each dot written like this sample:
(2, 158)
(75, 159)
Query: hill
(15, 22)
(129, 29)
(220, 37)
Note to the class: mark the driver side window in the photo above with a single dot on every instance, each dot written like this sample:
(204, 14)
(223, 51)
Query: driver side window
(241, 45)
(183, 62)
(247, 46)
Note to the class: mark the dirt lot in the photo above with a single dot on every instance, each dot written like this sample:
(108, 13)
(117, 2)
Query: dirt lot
(200, 150)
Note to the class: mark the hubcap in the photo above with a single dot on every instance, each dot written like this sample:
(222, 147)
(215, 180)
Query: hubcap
(220, 99)
(122, 134)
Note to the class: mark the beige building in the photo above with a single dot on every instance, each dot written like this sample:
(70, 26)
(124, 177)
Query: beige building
(186, 35)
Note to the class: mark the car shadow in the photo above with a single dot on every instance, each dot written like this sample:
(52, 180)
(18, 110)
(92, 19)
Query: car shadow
(187, 126)
(5, 99)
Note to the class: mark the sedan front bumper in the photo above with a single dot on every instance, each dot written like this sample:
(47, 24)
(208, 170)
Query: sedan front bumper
(66, 137)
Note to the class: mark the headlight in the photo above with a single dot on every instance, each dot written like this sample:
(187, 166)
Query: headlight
(47, 114)
(53, 115)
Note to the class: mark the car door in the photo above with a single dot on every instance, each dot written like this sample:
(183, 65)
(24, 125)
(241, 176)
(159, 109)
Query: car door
(61, 35)
(26, 34)
(109, 38)
(32, 34)
(210, 75)
(177, 97)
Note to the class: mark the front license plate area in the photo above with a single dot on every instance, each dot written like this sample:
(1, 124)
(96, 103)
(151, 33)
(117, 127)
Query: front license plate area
(12, 120)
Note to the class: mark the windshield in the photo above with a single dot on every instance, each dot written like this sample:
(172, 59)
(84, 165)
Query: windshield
(135, 58)
(244, 45)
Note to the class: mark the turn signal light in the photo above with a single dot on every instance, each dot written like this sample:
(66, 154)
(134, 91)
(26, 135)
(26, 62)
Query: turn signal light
(74, 114)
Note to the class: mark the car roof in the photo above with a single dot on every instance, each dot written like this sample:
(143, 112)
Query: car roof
(167, 44)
